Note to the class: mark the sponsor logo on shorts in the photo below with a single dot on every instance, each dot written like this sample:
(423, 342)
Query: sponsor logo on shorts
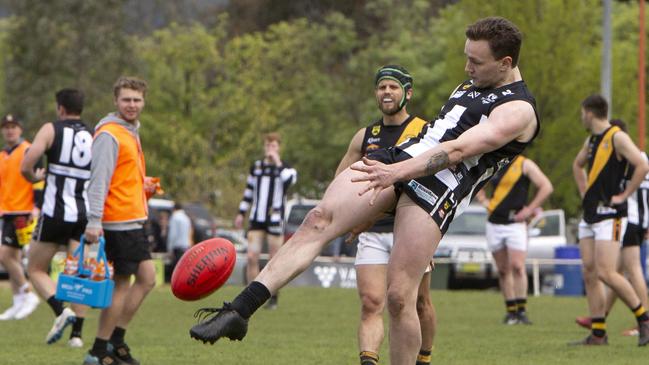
(423, 192)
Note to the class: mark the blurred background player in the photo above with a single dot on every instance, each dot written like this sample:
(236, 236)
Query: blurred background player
(179, 236)
(265, 197)
(19, 201)
(117, 196)
(67, 144)
(393, 90)
(507, 229)
(607, 152)
(634, 235)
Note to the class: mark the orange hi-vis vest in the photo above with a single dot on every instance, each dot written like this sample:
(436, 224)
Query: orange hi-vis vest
(125, 200)
(16, 192)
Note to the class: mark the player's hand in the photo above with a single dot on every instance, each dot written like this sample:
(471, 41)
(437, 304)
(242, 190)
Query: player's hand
(274, 157)
(34, 214)
(39, 174)
(378, 175)
(238, 221)
(617, 199)
(523, 214)
(92, 234)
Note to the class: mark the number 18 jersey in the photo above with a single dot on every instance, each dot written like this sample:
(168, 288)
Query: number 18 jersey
(68, 172)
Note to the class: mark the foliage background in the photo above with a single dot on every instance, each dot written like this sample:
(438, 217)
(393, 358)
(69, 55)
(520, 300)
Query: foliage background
(222, 73)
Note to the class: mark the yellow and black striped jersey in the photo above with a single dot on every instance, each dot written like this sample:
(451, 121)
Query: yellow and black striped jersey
(605, 178)
(378, 135)
(510, 192)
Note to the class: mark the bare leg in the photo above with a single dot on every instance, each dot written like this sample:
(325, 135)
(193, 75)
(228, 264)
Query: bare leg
(144, 282)
(372, 285)
(340, 210)
(10, 259)
(606, 256)
(416, 238)
(109, 316)
(505, 277)
(594, 287)
(519, 274)
(255, 242)
(426, 313)
(633, 270)
(40, 255)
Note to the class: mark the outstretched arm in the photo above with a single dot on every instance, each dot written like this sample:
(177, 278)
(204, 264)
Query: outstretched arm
(511, 121)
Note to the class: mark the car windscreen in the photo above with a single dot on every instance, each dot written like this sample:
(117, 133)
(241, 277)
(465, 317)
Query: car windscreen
(468, 223)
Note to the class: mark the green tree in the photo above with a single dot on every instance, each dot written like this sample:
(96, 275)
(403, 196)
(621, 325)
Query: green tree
(67, 43)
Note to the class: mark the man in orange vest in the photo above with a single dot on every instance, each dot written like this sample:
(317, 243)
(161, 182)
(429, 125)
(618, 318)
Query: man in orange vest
(17, 198)
(118, 210)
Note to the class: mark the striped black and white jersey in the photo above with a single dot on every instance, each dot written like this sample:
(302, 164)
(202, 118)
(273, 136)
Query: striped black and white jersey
(638, 202)
(265, 194)
(449, 191)
(68, 171)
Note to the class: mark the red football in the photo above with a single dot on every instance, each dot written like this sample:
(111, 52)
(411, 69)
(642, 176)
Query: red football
(203, 269)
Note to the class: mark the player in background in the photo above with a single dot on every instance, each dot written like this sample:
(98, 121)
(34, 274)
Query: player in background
(67, 144)
(265, 197)
(606, 153)
(393, 90)
(19, 202)
(509, 211)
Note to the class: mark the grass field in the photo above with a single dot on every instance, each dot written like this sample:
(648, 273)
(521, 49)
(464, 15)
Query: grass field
(318, 326)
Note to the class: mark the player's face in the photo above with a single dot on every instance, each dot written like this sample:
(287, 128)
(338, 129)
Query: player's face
(11, 133)
(481, 66)
(388, 96)
(271, 147)
(129, 104)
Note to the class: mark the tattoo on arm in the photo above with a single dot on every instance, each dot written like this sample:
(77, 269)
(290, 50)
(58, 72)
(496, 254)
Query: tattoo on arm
(437, 162)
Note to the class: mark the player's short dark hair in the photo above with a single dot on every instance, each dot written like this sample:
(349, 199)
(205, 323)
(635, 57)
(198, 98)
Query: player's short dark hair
(620, 123)
(71, 100)
(503, 36)
(597, 105)
(129, 82)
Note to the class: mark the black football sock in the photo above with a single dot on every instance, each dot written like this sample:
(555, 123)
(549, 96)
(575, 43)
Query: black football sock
(521, 304)
(56, 305)
(77, 327)
(250, 299)
(99, 348)
(510, 305)
(640, 313)
(117, 338)
(598, 326)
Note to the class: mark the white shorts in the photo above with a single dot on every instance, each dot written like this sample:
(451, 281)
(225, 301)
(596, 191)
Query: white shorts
(606, 230)
(512, 236)
(374, 249)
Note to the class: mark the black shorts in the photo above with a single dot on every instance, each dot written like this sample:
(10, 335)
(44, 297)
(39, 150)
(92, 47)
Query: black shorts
(427, 192)
(274, 229)
(633, 236)
(9, 237)
(50, 230)
(126, 249)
